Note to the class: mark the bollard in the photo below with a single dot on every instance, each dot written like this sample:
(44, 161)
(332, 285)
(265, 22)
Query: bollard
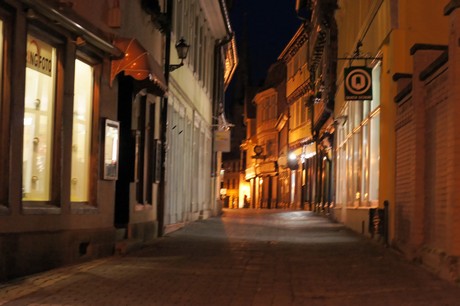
(386, 205)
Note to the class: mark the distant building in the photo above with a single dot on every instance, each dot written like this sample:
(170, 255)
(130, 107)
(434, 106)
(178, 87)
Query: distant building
(231, 183)
(298, 158)
(247, 148)
(261, 145)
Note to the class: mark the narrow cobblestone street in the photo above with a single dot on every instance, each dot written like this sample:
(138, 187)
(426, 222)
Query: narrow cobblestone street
(246, 257)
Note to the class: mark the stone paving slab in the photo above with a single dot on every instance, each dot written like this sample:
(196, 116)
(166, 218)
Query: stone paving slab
(246, 257)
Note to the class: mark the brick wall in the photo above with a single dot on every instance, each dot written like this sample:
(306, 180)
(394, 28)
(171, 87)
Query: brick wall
(405, 174)
(436, 154)
(453, 125)
(426, 134)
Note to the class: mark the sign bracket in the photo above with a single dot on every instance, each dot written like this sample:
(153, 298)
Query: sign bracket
(357, 55)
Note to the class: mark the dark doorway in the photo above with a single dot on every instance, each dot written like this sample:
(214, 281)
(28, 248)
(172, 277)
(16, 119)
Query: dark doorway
(127, 151)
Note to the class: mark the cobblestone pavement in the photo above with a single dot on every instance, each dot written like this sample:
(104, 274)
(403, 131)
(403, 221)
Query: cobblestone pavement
(246, 257)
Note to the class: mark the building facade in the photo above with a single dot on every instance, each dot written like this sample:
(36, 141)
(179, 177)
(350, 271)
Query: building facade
(247, 146)
(269, 102)
(322, 63)
(83, 124)
(141, 87)
(230, 191)
(365, 139)
(57, 202)
(297, 159)
(311, 56)
(194, 98)
(262, 143)
(426, 152)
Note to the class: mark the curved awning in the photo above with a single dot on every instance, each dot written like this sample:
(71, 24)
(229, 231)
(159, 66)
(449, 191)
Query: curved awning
(138, 63)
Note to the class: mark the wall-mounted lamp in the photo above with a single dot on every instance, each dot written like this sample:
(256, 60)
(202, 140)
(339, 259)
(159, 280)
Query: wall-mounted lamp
(341, 120)
(63, 4)
(80, 41)
(292, 156)
(182, 51)
(293, 161)
(31, 14)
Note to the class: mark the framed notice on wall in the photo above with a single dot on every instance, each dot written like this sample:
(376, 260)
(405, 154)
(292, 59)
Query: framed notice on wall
(111, 147)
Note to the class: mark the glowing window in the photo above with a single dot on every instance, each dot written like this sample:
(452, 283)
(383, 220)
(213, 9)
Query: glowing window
(81, 132)
(4, 141)
(38, 120)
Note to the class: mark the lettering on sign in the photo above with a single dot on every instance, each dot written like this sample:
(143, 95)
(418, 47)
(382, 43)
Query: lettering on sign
(358, 83)
(39, 55)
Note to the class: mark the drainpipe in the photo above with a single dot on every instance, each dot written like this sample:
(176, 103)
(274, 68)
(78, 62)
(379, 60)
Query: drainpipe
(164, 124)
(315, 158)
(216, 156)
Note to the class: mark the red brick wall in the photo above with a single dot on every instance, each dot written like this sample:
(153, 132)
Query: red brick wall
(427, 152)
(453, 126)
(421, 145)
(436, 154)
(405, 174)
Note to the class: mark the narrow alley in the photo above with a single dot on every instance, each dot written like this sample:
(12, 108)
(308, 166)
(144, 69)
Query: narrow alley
(245, 257)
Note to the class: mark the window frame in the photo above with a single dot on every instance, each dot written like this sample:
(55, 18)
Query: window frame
(144, 129)
(55, 164)
(94, 163)
(5, 107)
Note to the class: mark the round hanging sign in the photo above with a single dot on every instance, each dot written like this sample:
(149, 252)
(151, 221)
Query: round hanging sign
(358, 83)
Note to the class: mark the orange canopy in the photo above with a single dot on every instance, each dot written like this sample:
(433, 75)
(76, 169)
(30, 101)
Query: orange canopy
(137, 62)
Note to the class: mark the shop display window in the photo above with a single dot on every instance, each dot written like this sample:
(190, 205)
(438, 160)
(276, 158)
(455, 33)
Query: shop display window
(358, 152)
(4, 132)
(81, 132)
(38, 120)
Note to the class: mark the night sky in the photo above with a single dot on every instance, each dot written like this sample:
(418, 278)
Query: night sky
(270, 26)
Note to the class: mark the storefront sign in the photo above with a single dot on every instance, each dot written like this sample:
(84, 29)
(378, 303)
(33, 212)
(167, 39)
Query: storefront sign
(222, 141)
(358, 83)
(39, 55)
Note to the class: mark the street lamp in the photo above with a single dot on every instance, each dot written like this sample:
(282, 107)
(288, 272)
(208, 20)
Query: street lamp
(182, 51)
(292, 161)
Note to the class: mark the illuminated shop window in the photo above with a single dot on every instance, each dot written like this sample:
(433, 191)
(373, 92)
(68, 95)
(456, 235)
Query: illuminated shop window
(81, 132)
(38, 120)
(1, 53)
(358, 152)
(3, 144)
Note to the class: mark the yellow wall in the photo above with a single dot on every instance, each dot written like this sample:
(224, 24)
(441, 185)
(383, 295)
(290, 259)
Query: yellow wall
(301, 74)
(386, 33)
